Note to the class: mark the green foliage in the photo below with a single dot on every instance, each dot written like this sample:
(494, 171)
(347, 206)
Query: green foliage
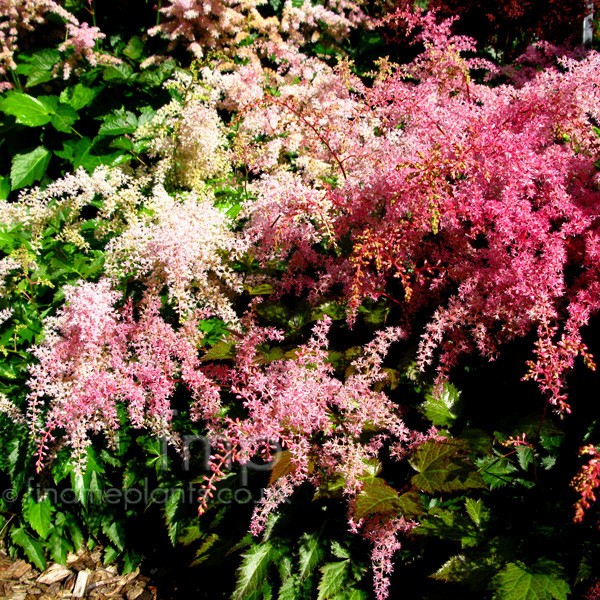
(28, 168)
(443, 467)
(34, 550)
(253, 570)
(377, 496)
(517, 583)
(333, 577)
(443, 408)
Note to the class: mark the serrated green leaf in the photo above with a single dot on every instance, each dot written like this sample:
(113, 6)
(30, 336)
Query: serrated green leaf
(118, 124)
(113, 529)
(253, 570)
(64, 117)
(495, 471)
(59, 547)
(190, 534)
(220, 351)
(33, 549)
(333, 577)
(79, 488)
(42, 66)
(442, 467)
(110, 554)
(29, 111)
(39, 516)
(290, 589)
(339, 551)
(172, 506)
(525, 457)
(443, 408)
(376, 496)
(30, 167)
(475, 573)
(202, 552)
(517, 583)
(476, 510)
(131, 560)
(79, 96)
(123, 143)
(74, 531)
(310, 554)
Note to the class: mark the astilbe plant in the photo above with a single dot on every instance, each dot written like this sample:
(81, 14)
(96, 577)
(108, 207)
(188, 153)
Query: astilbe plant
(19, 18)
(474, 208)
(179, 243)
(226, 24)
(466, 206)
(299, 405)
(96, 356)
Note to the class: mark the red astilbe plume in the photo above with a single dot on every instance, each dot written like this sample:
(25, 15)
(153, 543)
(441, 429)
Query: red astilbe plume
(511, 25)
(586, 481)
(474, 210)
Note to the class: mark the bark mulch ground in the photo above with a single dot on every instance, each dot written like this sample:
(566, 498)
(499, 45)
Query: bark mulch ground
(84, 576)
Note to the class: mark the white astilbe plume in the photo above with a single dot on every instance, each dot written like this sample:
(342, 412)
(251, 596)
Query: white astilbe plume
(188, 139)
(179, 243)
(120, 194)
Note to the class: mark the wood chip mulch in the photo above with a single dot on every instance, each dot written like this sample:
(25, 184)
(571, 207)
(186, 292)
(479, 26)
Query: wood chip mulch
(84, 576)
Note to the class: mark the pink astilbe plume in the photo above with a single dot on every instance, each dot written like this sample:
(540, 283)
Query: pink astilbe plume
(223, 24)
(81, 44)
(383, 532)
(95, 356)
(21, 17)
(299, 405)
(18, 17)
